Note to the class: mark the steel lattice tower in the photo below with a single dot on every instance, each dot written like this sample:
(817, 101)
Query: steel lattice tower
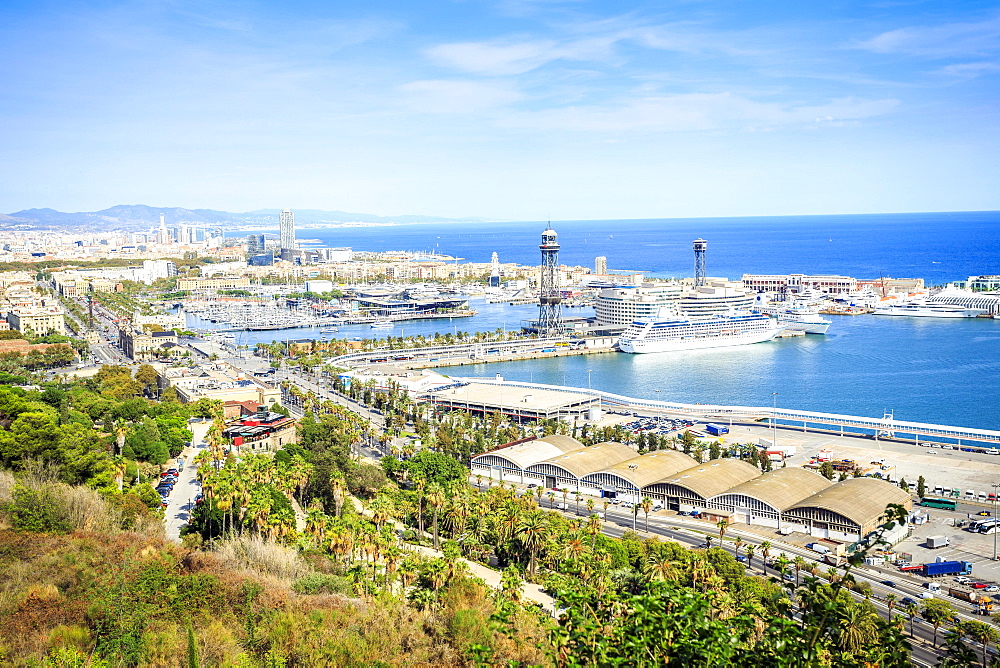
(700, 245)
(549, 299)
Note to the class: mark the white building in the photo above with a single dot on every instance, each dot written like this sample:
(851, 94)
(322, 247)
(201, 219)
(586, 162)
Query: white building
(286, 230)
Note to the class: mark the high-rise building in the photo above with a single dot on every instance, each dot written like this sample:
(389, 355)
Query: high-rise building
(255, 244)
(600, 265)
(287, 230)
(162, 235)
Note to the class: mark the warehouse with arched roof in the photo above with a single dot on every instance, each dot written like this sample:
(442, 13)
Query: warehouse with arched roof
(509, 463)
(567, 470)
(846, 511)
(626, 479)
(762, 500)
(690, 489)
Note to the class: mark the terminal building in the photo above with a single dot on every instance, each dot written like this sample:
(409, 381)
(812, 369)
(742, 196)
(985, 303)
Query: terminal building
(519, 403)
(788, 499)
(762, 500)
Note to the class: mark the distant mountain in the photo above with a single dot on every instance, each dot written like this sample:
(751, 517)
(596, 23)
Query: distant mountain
(142, 216)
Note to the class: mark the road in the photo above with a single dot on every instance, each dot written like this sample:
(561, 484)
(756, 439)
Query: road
(181, 500)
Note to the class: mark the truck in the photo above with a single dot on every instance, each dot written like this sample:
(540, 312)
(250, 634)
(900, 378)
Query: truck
(934, 542)
(716, 429)
(942, 568)
(834, 560)
(965, 594)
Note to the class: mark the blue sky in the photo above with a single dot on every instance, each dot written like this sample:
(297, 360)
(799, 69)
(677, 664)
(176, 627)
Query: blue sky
(514, 109)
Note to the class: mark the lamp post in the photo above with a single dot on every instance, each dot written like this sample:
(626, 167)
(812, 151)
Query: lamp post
(996, 490)
(632, 468)
(774, 419)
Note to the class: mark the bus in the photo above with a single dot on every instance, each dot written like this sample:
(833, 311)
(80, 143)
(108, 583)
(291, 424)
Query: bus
(946, 504)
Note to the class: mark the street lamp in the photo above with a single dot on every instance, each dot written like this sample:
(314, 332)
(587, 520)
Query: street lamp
(588, 379)
(774, 420)
(996, 490)
(635, 513)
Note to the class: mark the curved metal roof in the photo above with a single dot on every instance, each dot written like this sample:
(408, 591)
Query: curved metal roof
(781, 488)
(524, 455)
(861, 500)
(713, 477)
(594, 458)
(650, 467)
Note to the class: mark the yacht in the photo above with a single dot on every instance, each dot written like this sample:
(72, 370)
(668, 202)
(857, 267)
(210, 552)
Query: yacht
(328, 330)
(675, 332)
(927, 309)
(382, 323)
(796, 315)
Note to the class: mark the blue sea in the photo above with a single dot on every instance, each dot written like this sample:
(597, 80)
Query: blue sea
(927, 370)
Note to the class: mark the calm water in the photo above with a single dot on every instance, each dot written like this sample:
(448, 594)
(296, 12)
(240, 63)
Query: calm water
(938, 247)
(945, 371)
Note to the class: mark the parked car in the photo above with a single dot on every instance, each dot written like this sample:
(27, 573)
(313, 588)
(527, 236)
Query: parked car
(992, 588)
(961, 579)
(980, 585)
(984, 513)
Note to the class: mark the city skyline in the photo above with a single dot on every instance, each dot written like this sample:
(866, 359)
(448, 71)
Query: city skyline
(518, 109)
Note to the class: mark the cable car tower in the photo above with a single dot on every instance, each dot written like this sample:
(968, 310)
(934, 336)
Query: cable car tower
(700, 246)
(549, 298)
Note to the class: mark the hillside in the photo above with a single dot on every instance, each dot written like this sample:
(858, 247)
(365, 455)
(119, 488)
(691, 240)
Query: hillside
(143, 216)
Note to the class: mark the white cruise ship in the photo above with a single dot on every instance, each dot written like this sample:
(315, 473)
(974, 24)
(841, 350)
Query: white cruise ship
(927, 309)
(676, 333)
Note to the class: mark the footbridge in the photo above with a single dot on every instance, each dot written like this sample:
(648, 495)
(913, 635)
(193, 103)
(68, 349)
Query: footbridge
(847, 425)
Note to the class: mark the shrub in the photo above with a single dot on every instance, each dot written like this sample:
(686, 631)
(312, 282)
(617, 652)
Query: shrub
(319, 583)
(38, 510)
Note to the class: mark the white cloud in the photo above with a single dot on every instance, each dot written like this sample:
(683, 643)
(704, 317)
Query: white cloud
(439, 96)
(970, 70)
(698, 112)
(498, 58)
(949, 39)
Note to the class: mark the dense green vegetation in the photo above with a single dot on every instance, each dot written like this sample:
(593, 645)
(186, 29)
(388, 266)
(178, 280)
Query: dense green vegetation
(312, 556)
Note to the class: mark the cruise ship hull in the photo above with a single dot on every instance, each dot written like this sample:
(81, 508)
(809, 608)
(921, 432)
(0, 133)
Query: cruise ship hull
(817, 326)
(637, 346)
(928, 312)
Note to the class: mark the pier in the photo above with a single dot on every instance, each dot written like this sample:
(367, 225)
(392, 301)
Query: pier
(885, 428)
(477, 353)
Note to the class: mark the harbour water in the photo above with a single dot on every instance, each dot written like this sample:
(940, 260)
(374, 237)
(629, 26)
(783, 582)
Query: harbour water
(943, 371)
(927, 370)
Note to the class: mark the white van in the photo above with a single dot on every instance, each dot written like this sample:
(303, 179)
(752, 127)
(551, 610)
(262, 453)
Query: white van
(818, 547)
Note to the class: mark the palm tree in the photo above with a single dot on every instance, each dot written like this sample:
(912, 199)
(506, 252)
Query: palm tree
(435, 499)
(538, 495)
(593, 528)
(751, 548)
(606, 504)
(858, 626)
(590, 506)
(722, 524)
(737, 544)
(890, 602)
(647, 505)
(911, 612)
(799, 563)
(532, 532)
(982, 633)
(552, 498)
(579, 498)
(937, 612)
(765, 550)
(119, 465)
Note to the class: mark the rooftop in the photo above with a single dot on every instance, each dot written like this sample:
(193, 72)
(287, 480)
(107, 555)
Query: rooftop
(781, 488)
(858, 499)
(713, 477)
